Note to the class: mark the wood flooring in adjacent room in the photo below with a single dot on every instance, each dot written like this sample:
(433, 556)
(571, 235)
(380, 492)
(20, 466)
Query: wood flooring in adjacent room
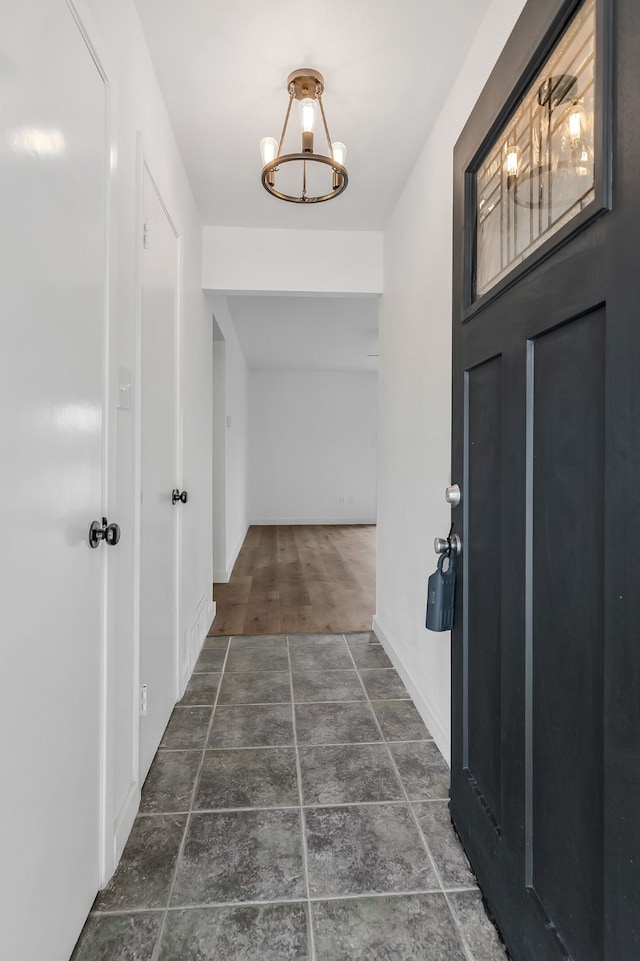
(300, 580)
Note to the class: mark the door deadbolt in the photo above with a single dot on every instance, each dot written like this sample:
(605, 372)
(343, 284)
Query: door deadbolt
(181, 496)
(110, 533)
(453, 495)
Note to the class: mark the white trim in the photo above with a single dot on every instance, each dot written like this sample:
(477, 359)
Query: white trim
(437, 728)
(317, 521)
(97, 48)
(124, 821)
(211, 614)
(223, 577)
(143, 172)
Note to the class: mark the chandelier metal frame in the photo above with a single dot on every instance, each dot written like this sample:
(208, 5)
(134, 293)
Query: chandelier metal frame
(305, 83)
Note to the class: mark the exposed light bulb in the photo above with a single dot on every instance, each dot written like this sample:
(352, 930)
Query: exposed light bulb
(268, 149)
(576, 122)
(339, 152)
(512, 161)
(307, 115)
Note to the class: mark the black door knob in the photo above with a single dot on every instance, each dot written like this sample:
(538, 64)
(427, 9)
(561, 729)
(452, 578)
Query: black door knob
(181, 496)
(103, 532)
(112, 534)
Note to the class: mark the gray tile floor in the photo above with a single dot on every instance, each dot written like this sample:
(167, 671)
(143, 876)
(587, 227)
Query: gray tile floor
(295, 811)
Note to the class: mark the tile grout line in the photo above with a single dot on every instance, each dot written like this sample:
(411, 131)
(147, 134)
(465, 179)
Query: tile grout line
(303, 825)
(307, 744)
(359, 700)
(458, 929)
(209, 905)
(291, 807)
(438, 876)
(156, 951)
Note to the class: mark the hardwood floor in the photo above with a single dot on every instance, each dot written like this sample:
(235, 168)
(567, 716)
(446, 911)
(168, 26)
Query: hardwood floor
(300, 580)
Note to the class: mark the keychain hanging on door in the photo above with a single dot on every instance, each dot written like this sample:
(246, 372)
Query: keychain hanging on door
(441, 591)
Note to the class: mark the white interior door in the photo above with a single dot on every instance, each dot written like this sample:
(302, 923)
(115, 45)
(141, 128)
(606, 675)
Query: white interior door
(159, 471)
(53, 181)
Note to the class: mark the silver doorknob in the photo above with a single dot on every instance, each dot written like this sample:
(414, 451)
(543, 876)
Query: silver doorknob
(453, 495)
(441, 545)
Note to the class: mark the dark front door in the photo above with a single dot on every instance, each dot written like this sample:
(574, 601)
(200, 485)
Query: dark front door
(546, 449)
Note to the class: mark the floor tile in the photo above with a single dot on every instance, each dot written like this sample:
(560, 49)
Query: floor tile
(400, 721)
(271, 932)
(255, 688)
(145, 872)
(364, 638)
(251, 725)
(351, 773)
(201, 689)
(247, 778)
(365, 850)
(269, 659)
(383, 684)
(409, 928)
(444, 845)
(477, 930)
(335, 723)
(259, 642)
(319, 651)
(187, 728)
(210, 661)
(215, 644)
(118, 937)
(423, 770)
(170, 781)
(370, 657)
(241, 856)
(327, 686)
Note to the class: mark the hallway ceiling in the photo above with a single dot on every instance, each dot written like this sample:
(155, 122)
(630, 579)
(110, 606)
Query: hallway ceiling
(307, 333)
(222, 67)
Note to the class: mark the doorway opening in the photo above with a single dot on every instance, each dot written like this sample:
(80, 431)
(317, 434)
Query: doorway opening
(294, 501)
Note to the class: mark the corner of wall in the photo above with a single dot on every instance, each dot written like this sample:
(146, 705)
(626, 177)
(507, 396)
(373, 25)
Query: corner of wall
(438, 728)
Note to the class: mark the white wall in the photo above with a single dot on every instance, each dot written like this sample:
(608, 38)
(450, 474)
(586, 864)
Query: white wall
(312, 447)
(415, 389)
(138, 106)
(272, 260)
(235, 419)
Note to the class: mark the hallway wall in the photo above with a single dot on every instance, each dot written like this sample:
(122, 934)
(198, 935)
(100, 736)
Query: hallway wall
(138, 109)
(312, 447)
(415, 390)
(235, 419)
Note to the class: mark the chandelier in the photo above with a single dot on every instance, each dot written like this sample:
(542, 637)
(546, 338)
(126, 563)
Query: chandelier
(560, 149)
(306, 86)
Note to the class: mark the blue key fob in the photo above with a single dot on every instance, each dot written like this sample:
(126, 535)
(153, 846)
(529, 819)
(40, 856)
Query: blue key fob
(441, 592)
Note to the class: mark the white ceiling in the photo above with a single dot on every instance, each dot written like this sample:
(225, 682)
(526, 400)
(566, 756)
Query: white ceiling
(307, 333)
(222, 67)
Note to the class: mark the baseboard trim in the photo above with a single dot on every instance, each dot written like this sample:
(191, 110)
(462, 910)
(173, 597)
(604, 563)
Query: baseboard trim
(223, 577)
(210, 618)
(437, 729)
(314, 521)
(123, 824)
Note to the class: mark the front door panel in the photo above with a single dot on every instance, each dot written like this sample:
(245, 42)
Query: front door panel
(546, 404)
(566, 632)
